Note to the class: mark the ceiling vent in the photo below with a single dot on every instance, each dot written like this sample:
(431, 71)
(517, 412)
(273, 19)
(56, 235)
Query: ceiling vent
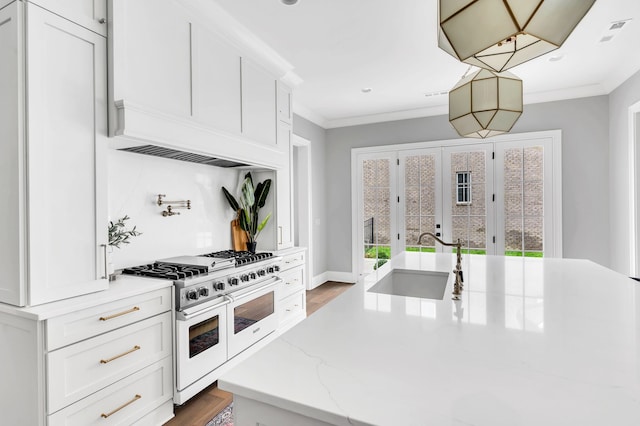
(436, 93)
(173, 154)
(613, 30)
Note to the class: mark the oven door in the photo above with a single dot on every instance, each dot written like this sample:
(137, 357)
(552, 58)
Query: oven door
(252, 315)
(201, 340)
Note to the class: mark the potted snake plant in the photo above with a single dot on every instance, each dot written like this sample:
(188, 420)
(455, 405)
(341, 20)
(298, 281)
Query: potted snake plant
(252, 199)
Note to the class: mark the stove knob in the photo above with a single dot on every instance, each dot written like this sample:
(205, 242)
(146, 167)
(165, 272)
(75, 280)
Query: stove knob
(270, 270)
(252, 275)
(261, 272)
(277, 268)
(233, 281)
(203, 291)
(219, 286)
(244, 277)
(192, 295)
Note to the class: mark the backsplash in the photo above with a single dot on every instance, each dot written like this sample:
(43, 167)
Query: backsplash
(134, 184)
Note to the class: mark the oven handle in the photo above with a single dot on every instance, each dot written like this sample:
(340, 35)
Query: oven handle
(196, 311)
(272, 283)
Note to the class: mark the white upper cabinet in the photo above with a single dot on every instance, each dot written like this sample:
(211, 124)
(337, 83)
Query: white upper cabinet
(12, 167)
(216, 82)
(284, 192)
(91, 14)
(58, 221)
(285, 110)
(258, 103)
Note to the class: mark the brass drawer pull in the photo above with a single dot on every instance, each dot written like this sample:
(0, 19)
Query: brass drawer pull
(134, 309)
(105, 361)
(289, 310)
(135, 398)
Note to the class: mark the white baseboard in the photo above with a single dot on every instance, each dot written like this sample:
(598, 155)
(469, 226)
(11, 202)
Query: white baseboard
(345, 277)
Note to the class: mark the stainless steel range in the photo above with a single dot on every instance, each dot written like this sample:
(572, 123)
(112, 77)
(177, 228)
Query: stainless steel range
(225, 302)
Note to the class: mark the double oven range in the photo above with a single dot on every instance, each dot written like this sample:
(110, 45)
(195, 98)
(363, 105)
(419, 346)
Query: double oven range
(225, 302)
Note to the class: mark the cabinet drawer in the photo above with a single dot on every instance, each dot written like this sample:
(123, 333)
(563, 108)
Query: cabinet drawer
(124, 402)
(292, 260)
(90, 322)
(292, 307)
(91, 14)
(88, 366)
(292, 281)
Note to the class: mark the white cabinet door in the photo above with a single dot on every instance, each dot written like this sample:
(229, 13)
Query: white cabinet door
(91, 14)
(67, 127)
(284, 199)
(285, 110)
(258, 104)
(216, 82)
(151, 46)
(11, 158)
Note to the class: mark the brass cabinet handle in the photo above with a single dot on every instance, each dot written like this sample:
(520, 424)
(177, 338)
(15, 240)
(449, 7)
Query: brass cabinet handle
(110, 413)
(105, 361)
(128, 311)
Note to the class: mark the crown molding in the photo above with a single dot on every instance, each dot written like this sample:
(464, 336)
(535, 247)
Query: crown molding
(388, 116)
(529, 98)
(308, 114)
(565, 94)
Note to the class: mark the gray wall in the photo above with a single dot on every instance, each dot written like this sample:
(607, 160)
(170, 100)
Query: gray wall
(585, 152)
(317, 136)
(620, 100)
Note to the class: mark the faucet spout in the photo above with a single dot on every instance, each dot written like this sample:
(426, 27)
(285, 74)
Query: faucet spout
(458, 285)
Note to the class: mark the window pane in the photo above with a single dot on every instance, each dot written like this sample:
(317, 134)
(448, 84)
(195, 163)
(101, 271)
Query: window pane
(420, 201)
(524, 201)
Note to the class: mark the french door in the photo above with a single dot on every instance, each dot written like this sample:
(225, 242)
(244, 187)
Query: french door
(446, 191)
(496, 197)
(376, 176)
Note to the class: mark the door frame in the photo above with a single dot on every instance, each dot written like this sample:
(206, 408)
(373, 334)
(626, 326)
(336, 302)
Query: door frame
(634, 189)
(302, 200)
(556, 170)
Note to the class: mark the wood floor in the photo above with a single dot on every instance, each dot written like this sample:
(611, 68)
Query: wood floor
(205, 405)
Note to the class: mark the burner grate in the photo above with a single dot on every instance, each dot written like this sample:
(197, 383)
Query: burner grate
(169, 271)
(242, 257)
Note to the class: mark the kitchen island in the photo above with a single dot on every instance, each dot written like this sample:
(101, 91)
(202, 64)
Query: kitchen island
(531, 342)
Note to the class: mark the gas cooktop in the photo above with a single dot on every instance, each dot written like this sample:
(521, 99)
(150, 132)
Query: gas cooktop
(186, 267)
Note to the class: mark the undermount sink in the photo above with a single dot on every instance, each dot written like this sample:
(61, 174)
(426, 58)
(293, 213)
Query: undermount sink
(413, 283)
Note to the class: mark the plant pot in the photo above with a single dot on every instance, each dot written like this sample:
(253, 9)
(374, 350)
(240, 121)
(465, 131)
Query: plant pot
(251, 247)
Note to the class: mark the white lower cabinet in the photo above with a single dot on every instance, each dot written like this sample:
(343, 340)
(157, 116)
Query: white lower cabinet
(79, 370)
(108, 362)
(133, 400)
(293, 290)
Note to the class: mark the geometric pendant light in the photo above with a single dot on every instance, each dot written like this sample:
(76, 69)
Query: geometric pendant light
(485, 104)
(500, 34)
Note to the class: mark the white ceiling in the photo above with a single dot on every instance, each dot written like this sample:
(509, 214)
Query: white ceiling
(338, 47)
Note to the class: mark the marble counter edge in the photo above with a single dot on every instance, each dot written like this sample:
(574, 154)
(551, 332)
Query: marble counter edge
(122, 287)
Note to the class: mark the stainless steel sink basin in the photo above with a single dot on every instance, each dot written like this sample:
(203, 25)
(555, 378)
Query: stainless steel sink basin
(413, 283)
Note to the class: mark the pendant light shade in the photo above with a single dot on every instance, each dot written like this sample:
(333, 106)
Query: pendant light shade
(485, 104)
(500, 34)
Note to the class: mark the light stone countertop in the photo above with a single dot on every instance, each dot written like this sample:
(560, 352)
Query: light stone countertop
(532, 342)
(124, 286)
